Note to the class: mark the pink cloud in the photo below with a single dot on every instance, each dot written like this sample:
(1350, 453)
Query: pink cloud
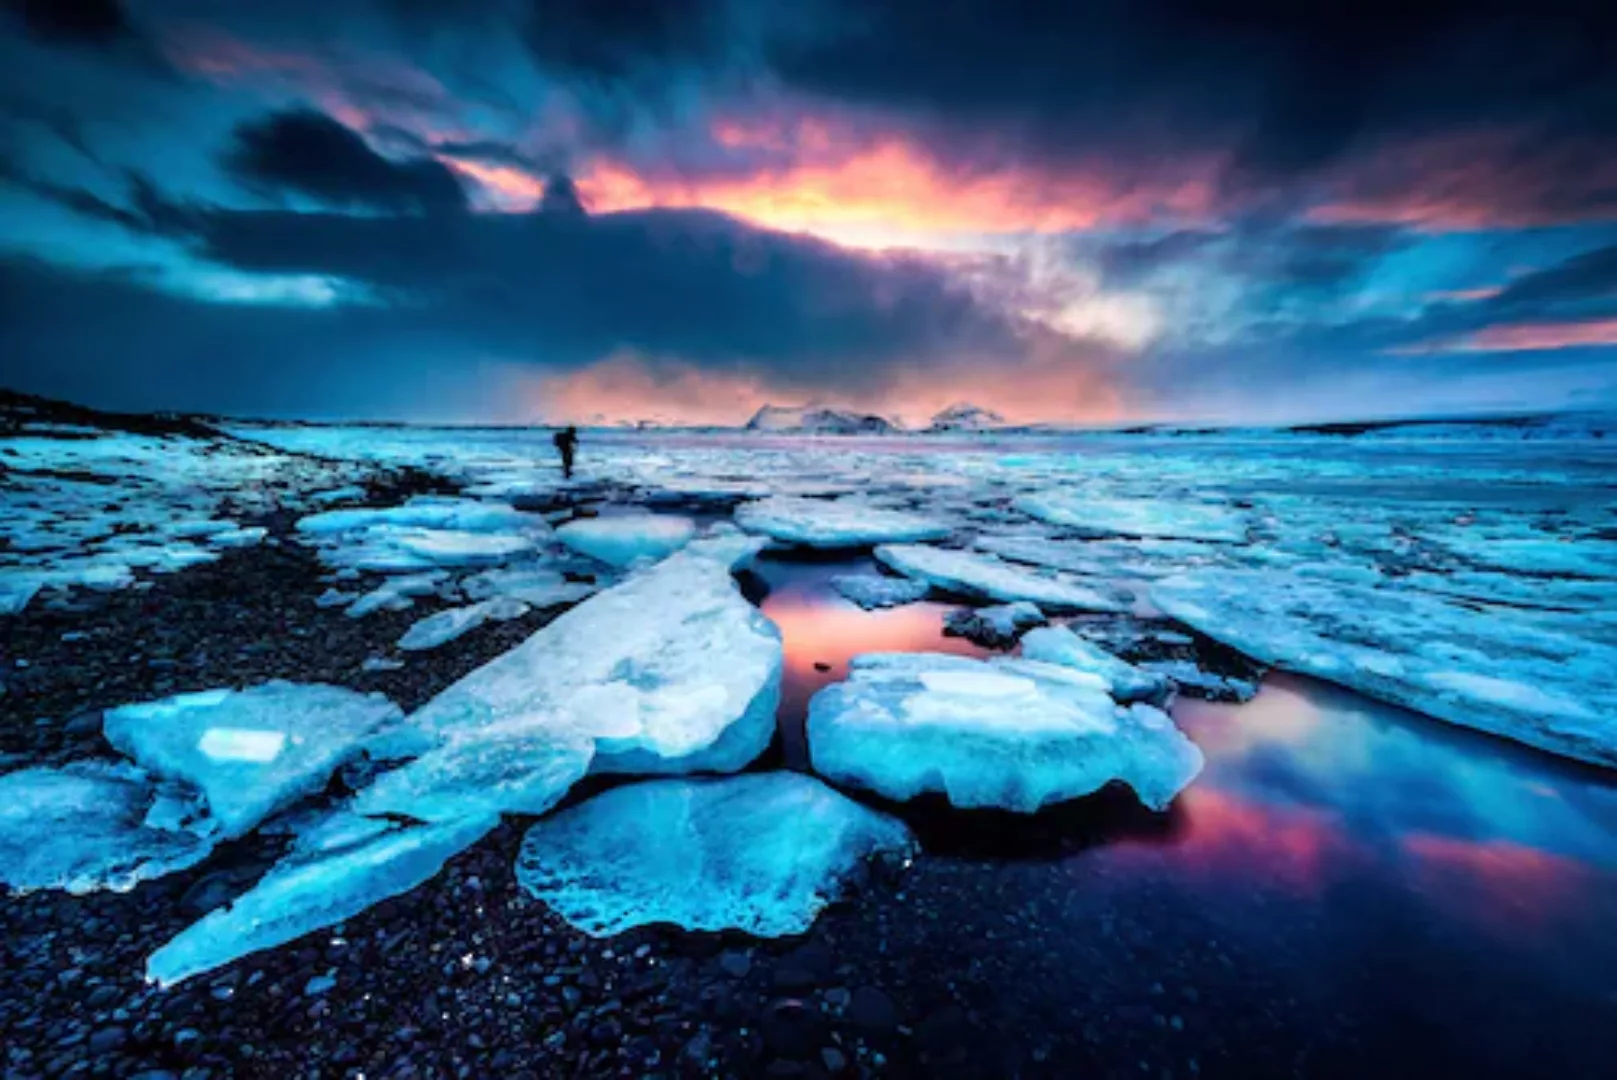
(1523, 337)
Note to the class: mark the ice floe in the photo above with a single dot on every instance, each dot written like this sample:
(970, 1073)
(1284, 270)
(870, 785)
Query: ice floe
(251, 752)
(1125, 682)
(1159, 517)
(835, 523)
(872, 591)
(1013, 734)
(621, 539)
(670, 671)
(761, 853)
(96, 825)
(995, 627)
(1487, 669)
(314, 887)
(451, 623)
(979, 576)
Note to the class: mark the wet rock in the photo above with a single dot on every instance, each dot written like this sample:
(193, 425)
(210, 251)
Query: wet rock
(108, 1040)
(735, 964)
(793, 1028)
(872, 1010)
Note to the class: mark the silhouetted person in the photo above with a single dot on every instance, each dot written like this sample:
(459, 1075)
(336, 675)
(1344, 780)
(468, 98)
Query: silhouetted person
(566, 441)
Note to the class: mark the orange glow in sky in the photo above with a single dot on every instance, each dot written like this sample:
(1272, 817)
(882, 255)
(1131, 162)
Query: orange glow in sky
(890, 191)
(623, 388)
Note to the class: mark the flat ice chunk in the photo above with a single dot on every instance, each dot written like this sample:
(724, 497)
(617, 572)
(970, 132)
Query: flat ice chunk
(835, 523)
(459, 547)
(1059, 645)
(96, 825)
(871, 591)
(425, 512)
(979, 576)
(396, 594)
(1170, 518)
(20, 584)
(1014, 734)
(1493, 670)
(670, 671)
(996, 627)
(322, 884)
(760, 853)
(536, 586)
(251, 536)
(251, 752)
(451, 623)
(621, 539)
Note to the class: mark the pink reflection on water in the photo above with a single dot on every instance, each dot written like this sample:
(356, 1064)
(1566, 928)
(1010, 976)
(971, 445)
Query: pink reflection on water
(1232, 839)
(1502, 886)
(817, 631)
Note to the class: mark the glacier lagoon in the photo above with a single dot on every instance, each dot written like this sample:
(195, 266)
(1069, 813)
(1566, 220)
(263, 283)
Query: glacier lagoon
(1339, 874)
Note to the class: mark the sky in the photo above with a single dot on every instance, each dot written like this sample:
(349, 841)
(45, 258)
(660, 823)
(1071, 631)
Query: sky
(597, 211)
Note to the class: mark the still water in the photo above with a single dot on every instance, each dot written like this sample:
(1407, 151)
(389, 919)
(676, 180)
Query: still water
(1421, 897)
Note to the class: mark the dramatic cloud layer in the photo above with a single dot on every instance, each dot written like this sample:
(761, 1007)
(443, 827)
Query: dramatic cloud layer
(684, 209)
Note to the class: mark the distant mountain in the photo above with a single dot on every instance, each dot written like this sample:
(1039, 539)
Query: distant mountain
(815, 420)
(963, 416)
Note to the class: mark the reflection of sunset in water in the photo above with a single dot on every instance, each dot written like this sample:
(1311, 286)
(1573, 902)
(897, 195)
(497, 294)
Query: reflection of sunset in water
(831, 633)
(1309, 793)
(1506, 887)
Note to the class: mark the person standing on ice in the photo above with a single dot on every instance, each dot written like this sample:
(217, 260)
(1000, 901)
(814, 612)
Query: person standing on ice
(566, 441)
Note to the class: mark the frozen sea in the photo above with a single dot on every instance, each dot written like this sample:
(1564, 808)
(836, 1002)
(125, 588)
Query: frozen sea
(1394, 653)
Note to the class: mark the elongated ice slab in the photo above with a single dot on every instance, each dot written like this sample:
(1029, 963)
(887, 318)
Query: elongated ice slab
(1169, 518)
(621, 539)
(1013, 734)
(96, 825)
(872, 591)
(251, 752)
(761, 853)
(451, 623)
(669, 671)
(969, 573)
(1059, 645)
(996, 627)
(1490, 670)
(324, 883)
(835, 523)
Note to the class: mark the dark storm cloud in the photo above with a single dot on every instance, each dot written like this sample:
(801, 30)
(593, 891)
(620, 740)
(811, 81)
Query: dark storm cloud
(72, 22)
(309, 153)
(1289, 86)
(1589, 276)
(558, 287)
(616, 39)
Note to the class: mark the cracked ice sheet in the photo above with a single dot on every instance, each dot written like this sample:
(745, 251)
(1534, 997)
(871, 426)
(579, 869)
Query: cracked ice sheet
(836, 523)
(251, 752)
(1493, 670)
(96, 825)
(760, 853)
(981, 576)
(669, 671)
(1014, 734)
(320, 883)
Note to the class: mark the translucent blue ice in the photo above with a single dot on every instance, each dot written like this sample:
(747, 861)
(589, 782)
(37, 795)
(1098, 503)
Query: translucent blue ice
(96, 825)
(761, 853)
(312, 888)
(879, 590)
(1059, 645)
(621, 539)
(1013, 734)
(980, 576)
(1493, 670)
(251, 752)
(836, 523)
